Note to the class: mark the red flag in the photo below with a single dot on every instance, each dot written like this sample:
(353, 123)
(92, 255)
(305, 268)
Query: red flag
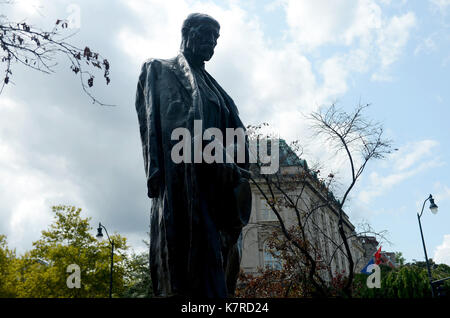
(378, 256)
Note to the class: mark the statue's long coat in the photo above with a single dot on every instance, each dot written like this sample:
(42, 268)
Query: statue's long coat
(195, 222)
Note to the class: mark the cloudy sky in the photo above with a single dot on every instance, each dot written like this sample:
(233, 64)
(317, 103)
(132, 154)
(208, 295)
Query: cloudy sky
(278, 60)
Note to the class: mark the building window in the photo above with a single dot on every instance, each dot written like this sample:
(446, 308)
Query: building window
(325, 253)
(333, 231)
(271, 261)
(266, 212)
(345, 260)
(337, 261)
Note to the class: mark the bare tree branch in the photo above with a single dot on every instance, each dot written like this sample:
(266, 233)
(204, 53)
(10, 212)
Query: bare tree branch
(38, 49)
(361, 140)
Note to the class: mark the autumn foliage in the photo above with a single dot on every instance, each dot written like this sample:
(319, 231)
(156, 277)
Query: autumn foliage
(291, 279)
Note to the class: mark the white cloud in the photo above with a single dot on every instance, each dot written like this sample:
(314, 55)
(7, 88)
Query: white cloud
(29, 184)
(442, 192)
(28, 7)
(390, 2)
(381, 184)
(409, 161)
(412, 153)
(271, 6)
(391, 41)
(394, 37)
(341, 22)
(441, 5)
(358, 24)
(427, 46)
(161, 35)
(442, 252)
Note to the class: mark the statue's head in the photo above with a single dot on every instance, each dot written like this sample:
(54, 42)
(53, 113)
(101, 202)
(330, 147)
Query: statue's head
(199, 36)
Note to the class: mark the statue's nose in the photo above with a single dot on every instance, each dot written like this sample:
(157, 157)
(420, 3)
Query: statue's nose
(211, 39)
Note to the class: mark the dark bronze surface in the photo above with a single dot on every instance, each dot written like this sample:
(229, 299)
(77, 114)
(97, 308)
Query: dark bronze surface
(198, 209)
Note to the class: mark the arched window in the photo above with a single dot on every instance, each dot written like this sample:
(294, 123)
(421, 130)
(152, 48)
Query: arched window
(271, 261)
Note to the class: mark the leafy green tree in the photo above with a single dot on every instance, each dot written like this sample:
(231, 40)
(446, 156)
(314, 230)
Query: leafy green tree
(138, 277)
(43, 270)
(7, 264)
(408, 281)
(399, 259)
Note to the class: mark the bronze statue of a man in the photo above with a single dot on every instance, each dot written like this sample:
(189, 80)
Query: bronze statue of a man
(198, 208)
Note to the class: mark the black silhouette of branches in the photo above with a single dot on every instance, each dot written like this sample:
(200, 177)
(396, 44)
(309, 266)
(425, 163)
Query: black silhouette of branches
(305, 194)
(361, 140)
(37, 49)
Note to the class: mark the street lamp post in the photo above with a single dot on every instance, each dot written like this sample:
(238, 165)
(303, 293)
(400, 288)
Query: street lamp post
(434, 209)
(100, 236)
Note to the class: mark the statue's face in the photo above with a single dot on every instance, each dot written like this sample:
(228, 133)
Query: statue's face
(202, 40)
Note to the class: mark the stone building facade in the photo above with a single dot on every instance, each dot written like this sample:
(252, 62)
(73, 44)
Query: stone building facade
(320, 221)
